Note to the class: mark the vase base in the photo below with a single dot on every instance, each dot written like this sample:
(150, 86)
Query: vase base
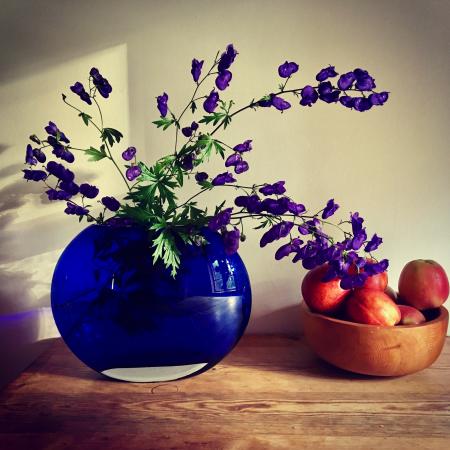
(153, 374)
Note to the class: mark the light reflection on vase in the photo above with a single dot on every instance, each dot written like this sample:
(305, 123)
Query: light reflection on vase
(131, 320)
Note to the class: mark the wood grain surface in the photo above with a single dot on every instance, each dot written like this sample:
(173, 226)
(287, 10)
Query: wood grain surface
(271, 392)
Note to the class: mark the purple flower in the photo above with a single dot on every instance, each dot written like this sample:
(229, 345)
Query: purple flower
(362, 104)
(287, 249)
(111, 203)
(265, 102)
(187, 131)
(309, 96)
(231, 241)
(100, 83)
(54, 194)
(346, 81)
(60, 151)
(278, 231)
(309, 227)
(296, 208)
(330, 209)
(223, 79)
(327, 72)
(276, 188)
(187, 162)
(220, 220)
(227, 58)
(246, 146)
(129, 153)
(34, 175)
(161, 103)
(196, 69)
(210, 104)
(276, 207)
(78, 89)
(359, 239)
(378, 99)
(39, 155)
(241, 167)
(233, 159)
(356, 222)
(53, 130)
(350, 281)
(287, 69)
(59, 171)
(347, 101)
(364, 82)
(375, 268)
(223, 178)
(200, 177)
(194, 126)
(29, 156)
(88, 190)
(133, 172)
(75, 210)
(327, 92)
(373, 244)
(70, 187)
(280, 103)
(251, 202)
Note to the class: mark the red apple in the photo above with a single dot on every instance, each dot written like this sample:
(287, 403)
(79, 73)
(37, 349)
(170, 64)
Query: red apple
(322, 297)
(423, 284)
(372, 307)
(410, 315)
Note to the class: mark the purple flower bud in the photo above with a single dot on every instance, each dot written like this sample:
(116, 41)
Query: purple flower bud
(265, 102)
(241, 167)
(75, 210)
(223, 178)
(309, 96)
(100, 83)
(373, 244)
(362, 104)
(129, 153)
(200, 177)
(220, 220)
(347, 101)
(161, 103)
(327, 72)
(359, 239)
(196, 69)
(330, 209)
(296, 208)
(378, 99)
(111, 203)
(210, 104)
(88, 190)
(223, 79)
(78, 89)
(187, 162)
(133, 172)
(29, 156)
(53, 130)
(246, 146)
(287, 69)
(187, 131)
(39, 155)
(280, 103)
(194, 126)
(233, 159)
(34, 175)
(346, 81)
(59, 171)
(70, 187)
(231, 241)
(356, 222)
(227, 58)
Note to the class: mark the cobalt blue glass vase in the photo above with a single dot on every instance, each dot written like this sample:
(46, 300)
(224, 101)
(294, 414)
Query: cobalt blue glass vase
(130, 320)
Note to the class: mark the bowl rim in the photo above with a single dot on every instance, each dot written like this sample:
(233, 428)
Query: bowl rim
(443, 315)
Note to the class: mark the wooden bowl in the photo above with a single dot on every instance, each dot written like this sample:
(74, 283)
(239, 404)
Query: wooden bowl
(373, 349)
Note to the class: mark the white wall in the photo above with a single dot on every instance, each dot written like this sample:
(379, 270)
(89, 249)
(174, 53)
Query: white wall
(390, 164)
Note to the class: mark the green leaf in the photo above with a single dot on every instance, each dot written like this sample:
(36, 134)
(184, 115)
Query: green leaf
(164, 122)
(215, 118)
(95, 155)
(167, 251)
(85, 117)
(219, 149)
(111, 135)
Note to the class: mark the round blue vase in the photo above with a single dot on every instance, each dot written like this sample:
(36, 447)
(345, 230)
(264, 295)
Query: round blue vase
(130, 320)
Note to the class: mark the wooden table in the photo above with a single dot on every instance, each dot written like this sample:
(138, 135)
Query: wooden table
(271, 392)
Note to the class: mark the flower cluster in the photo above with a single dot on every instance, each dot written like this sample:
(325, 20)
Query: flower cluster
(151, 199)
